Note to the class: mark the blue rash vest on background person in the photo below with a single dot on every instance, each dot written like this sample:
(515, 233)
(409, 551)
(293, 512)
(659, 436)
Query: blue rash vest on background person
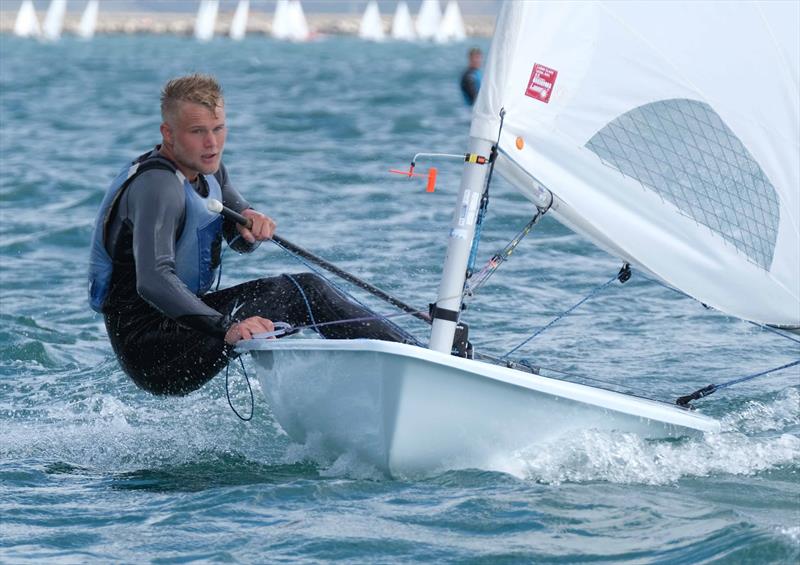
(470, 85)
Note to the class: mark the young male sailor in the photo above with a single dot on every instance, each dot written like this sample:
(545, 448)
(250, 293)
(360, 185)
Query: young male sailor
(156, 247)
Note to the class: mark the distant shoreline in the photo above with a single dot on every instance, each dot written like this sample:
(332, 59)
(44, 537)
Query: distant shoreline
(259, 23)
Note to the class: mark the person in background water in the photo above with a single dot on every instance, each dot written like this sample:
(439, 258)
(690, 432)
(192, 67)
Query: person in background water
(471, 79)
(156, 250)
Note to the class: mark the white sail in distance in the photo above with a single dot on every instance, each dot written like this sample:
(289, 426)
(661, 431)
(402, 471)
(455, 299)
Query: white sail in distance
(239, 22)
(206, 20)
(54, 20)
(428, 19)
(402, 24)
(289, 21)
(298, 26)
(27, 23)
(683, 160)
(88, 21)
(371, 27)
(452, 26)
(280, 20)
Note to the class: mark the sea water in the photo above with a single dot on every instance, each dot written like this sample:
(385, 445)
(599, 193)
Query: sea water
(93, 469)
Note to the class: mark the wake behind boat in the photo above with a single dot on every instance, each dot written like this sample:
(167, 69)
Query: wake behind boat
(659, 159)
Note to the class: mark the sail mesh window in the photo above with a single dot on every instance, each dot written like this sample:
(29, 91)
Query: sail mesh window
(682, 150)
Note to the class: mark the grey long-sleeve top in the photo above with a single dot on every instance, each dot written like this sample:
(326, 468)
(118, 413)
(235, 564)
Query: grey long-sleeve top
(141, 240)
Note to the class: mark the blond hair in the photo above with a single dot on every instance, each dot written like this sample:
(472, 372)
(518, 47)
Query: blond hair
(197, 88)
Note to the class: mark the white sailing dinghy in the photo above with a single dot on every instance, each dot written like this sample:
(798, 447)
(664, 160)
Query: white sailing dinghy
(206, 20)
(371, 27)
(402, 24)
(280, 20)
(297, 22)
(428, 19)
(88, 23)
(452, 26)
(682, 161)
(27, 23)
(289, 21)
(54, 20)
(239, 22)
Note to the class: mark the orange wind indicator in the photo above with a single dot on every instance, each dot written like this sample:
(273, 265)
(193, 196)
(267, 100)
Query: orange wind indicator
(431, 186)
(431, 176)
(472, 158)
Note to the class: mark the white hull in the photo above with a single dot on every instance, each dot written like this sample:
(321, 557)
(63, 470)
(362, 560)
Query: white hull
(410, 410)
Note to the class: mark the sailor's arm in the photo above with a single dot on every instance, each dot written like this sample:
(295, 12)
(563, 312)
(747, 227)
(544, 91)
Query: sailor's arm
(263, 226)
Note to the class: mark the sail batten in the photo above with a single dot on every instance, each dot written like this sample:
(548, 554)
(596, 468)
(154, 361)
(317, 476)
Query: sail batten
(665, 137)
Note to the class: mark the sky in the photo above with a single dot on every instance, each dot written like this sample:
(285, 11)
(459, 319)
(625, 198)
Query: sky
(387, 7)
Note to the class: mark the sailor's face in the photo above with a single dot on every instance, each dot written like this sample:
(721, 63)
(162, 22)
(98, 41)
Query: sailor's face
(195, 137)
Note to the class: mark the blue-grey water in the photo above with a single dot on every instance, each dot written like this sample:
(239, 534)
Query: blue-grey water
(92, 469)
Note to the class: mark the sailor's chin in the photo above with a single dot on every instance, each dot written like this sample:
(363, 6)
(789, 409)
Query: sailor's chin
(209, 167)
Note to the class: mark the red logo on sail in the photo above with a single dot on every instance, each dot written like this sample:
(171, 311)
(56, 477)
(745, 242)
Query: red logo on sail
(540, 85)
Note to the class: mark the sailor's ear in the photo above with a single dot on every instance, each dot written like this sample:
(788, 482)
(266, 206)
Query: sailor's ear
(166, 132)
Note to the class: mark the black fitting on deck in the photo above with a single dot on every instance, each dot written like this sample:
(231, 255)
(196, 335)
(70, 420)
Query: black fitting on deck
(705, 391)
(624, 274)
(461, 345)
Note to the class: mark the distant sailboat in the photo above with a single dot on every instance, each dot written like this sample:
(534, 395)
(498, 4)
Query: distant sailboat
(54, 20)
(88, 20)
(289, 21)
(206, 20)
(297, 22)
(239, 21)
(280, 21)
(27, 24)
(371, 25)
(428, 19)
(452, 26)
(402, 25)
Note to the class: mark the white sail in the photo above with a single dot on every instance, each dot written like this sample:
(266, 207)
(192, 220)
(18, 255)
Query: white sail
(239, 21)
(297, 22)
(280, 20)
(88, 21)
(289, 21)
(428, 19)
(54, 20)
(452, 26)
(206, 20)
(27, 24)
(402, 25)
(668, 132)
(371, 27)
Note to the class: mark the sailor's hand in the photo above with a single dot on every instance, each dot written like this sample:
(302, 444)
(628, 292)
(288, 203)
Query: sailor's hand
(263, 226)
(246, 328)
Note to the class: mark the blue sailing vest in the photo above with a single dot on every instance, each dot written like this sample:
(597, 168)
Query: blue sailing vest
(477, 76)
(193, 249)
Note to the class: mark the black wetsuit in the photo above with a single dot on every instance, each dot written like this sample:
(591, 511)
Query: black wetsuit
(167, 339)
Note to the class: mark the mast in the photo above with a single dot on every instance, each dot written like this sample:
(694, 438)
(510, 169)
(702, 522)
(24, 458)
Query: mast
(462, 231)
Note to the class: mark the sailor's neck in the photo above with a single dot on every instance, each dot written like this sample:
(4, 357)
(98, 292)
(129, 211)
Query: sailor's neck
(190, 175)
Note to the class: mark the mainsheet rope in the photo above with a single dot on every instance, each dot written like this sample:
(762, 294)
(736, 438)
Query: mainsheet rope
(408, 336)
(313, 324)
